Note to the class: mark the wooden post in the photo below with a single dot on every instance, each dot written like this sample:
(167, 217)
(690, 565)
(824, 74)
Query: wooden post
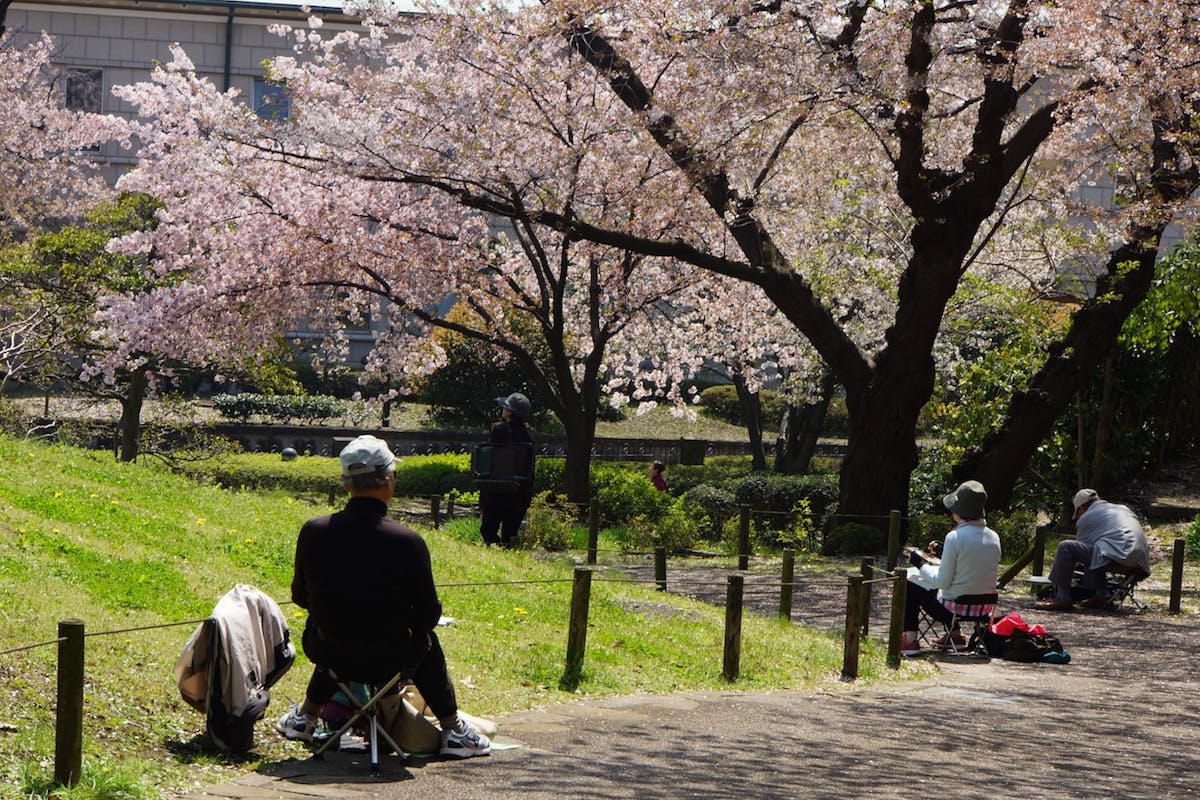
(1038, 565)
(854, 590)
(787, 584)
(899, 590)
(450, 507)
(68, 731)
(1177, 556)
(744, 539)
(435, 510)
(893, 551)
(581, 594)
(733, 628)
(593, 534)
(333, 492)
(868, 572)
(660, 568)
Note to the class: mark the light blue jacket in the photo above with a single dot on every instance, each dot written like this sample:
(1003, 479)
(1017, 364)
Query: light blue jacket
(970, 560)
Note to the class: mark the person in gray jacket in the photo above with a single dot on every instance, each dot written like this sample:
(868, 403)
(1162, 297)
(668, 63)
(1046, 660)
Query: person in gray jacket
(1105, 534)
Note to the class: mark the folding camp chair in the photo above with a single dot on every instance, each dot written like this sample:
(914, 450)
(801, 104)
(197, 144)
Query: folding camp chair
(986, 605)
(1121, 581)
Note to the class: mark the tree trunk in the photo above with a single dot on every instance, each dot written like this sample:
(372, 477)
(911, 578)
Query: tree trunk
(1104, 424)
(881, 449)
(1033, 411)
(801, 427)
(580, 429)
(752, 412)
(131, 415)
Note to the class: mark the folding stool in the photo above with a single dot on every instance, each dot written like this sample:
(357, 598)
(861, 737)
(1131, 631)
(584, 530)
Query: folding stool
(928, 626)
(369, 709)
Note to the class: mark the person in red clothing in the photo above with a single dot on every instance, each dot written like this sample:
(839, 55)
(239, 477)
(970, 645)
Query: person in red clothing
(367, 583)
(656, 475)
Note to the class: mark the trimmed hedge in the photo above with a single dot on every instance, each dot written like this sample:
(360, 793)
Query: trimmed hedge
(415, 475)
(283, 408)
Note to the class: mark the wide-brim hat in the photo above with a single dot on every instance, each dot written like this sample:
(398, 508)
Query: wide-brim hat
(364, 455)
(517, 403)
(968, 500)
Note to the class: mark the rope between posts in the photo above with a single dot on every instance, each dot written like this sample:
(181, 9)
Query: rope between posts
(145, 628)
(59, 640)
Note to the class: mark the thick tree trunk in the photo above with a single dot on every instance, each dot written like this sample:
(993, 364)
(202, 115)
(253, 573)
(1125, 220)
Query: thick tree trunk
(881, 449)
(1104, 425)
(998, 461)
(752, 412)
(131, 416)
(800, 429)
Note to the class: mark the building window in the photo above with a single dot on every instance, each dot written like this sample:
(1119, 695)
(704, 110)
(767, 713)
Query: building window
(271, 100)
(83, 89)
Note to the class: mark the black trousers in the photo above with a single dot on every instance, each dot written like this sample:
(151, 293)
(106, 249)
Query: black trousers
(421, 661)
(917, 597)
(500, 522)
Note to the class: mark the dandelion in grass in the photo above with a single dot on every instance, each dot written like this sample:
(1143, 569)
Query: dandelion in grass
(58, 494)
(200, 520)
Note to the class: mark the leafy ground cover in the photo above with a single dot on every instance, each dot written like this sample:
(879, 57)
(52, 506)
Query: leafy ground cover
(125, 546)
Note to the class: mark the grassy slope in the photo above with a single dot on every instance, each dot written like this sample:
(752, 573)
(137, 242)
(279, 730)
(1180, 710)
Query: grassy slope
(127, 545)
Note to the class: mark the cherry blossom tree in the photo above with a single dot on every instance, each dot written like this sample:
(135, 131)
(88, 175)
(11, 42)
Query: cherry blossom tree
(45, 172)
(266, 222)
(942, 138)
(861, 156)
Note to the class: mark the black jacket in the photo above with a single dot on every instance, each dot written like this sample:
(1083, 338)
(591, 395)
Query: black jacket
(365, 577)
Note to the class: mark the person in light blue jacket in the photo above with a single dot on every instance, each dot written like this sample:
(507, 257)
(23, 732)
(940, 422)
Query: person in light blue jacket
(1106, 534)
(970, 559)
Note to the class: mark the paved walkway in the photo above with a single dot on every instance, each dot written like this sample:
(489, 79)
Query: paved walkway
(1122, 720)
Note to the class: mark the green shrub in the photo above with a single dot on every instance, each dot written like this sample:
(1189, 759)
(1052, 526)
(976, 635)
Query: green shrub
(854, 539)
(1015, 529)
(548, 526)
(623, 494)
(722, 402)
(283, 408)
(434, 474)
(710, 508)
(1192, 540)
(802, 532)
(673, 529)
(768, 491)
(723, 472)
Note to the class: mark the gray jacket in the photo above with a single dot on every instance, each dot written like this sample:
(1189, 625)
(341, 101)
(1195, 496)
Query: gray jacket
(1114, 534)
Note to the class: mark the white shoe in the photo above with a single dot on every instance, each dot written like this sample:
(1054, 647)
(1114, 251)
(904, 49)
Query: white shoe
(466, 742)
(296, 725)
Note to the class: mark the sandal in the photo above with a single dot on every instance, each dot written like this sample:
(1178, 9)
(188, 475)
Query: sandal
(1054, 604)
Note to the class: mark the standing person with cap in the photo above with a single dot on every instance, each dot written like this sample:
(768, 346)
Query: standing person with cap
(1105, 533)
(367, 584)
(502, 512)
(970, 559)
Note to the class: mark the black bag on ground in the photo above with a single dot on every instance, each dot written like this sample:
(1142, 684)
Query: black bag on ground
(1021, 646)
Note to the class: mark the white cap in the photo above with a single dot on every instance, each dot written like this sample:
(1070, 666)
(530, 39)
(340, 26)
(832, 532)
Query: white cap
(1083, 497)
(365, 455)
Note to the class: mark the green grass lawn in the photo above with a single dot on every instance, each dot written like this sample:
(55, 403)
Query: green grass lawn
(123, 546)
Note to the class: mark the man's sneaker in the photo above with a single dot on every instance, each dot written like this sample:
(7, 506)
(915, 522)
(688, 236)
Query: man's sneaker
(465, 743)
(297, 725)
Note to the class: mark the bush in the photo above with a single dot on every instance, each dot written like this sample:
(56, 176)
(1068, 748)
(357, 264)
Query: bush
(854, 539)
(1016, 530)
(709, 508)
(722, 402)
(623, 494)
(281, 408)
(768, 491)
(548, 526)
(673, 529)
(1192, 540)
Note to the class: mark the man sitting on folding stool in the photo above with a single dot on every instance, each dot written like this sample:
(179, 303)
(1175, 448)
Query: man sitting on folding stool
(969, 562)
(367, 584)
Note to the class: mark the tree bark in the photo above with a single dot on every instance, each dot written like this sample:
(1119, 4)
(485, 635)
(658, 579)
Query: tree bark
(998, 461)
(752, 412)
(1104, 424)
(580, 431)
(800, 430)
(131, 415)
